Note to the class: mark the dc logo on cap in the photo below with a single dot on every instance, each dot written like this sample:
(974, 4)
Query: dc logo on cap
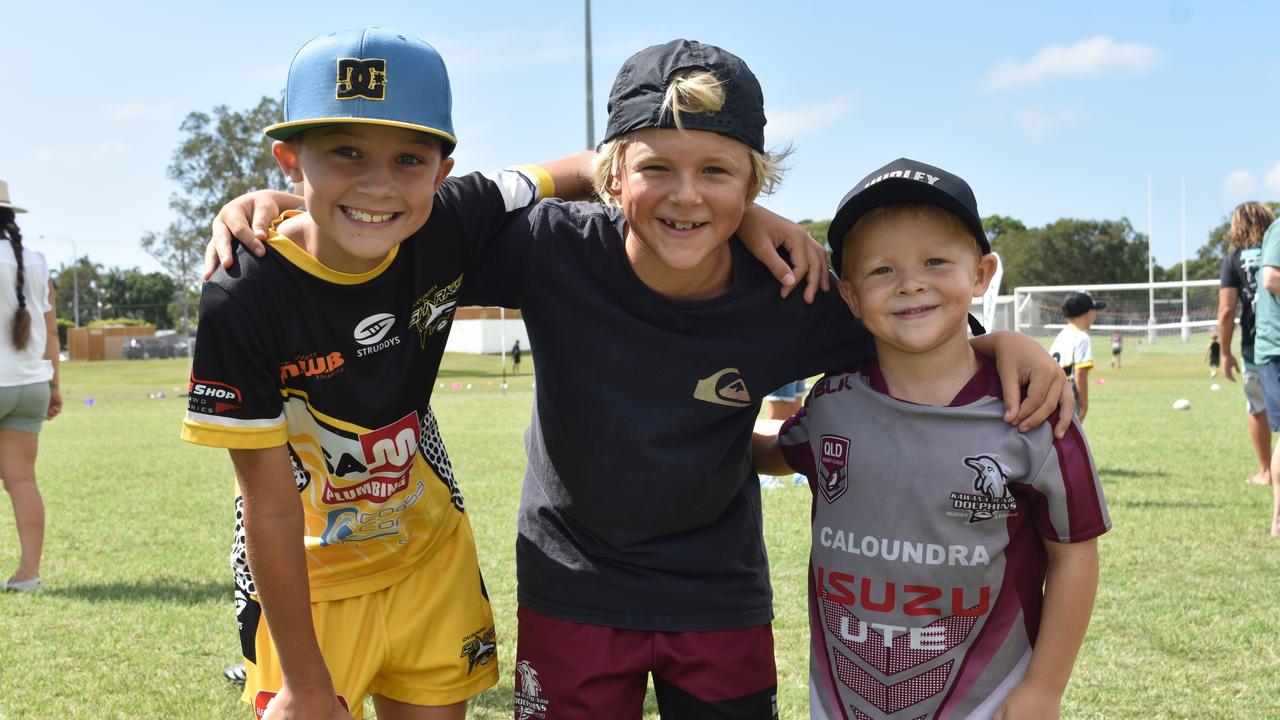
(362, 78)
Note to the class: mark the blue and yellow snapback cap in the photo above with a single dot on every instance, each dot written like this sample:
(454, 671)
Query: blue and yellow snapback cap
(372, 76)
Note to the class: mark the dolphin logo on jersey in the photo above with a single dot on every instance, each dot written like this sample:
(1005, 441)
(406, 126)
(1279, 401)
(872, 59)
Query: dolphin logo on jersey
(990, 481)
(529, 701)
(479, 648)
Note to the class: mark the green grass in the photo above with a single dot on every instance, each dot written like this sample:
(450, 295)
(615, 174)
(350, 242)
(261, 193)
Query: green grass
(138, 622)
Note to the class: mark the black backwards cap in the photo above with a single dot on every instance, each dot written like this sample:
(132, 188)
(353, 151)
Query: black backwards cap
(635, 101)
(1079, 303)
(905, 181)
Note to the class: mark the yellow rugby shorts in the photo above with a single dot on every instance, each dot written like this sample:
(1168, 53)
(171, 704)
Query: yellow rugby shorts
(427, 640)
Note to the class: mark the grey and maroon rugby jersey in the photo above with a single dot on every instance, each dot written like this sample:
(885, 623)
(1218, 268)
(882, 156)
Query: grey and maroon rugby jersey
(927, 567)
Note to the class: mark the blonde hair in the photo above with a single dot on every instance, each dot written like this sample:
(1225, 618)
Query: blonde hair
(883, 215)
(1249, 223)
(688, 91)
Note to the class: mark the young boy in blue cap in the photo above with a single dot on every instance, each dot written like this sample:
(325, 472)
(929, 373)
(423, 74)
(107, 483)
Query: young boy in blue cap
(370, 584)
(954, 560)
(640, 550)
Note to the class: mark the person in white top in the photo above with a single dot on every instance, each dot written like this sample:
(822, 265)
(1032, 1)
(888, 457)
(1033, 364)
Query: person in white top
(29, 392)
(1073, 349)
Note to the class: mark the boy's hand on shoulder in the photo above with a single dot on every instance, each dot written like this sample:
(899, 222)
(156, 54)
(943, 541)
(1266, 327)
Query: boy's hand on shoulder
(287, 705)
(247, 219)
(762, 232)
(1031, 701)
(1022, 361)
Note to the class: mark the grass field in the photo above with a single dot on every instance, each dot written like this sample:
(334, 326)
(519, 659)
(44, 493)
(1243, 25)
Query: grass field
(137, 620)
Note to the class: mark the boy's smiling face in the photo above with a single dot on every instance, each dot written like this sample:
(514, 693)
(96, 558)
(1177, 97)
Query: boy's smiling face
(683, 194)
(911, 279)
(368, 188)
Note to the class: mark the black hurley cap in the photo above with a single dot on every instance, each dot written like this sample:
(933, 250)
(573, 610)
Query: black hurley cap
(635, 102)
(905, 181)
(1078, 303)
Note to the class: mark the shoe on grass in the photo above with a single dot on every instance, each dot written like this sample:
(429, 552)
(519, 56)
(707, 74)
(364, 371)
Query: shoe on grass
(235, 674)
(26, 586)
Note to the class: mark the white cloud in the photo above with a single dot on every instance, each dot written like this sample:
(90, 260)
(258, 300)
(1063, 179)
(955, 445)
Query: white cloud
(126, 112)
(792, 123)
(1039, 123)
(1091, 57)
(1240, 183)
(1271, 181)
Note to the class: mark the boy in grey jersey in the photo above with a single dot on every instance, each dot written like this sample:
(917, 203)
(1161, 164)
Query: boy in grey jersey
(954, 559)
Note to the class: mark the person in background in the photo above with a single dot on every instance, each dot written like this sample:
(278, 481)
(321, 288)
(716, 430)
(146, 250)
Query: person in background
(29, 392)
(1213, 353)
(1073, 348)
(1267, 352)
(515, 358)
(1239, 287)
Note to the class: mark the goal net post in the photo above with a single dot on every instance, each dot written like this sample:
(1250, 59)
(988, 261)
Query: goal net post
(1154, 311)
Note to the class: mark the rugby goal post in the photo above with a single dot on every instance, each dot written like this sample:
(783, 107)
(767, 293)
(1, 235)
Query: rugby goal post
(1156, 309)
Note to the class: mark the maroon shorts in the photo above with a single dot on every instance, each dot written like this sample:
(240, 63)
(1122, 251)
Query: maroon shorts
(571, 671)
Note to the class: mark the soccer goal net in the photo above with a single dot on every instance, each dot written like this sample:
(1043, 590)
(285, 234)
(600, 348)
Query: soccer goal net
(1169, 311)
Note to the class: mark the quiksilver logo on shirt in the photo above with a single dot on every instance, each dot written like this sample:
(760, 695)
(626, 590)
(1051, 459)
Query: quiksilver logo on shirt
(725, 387)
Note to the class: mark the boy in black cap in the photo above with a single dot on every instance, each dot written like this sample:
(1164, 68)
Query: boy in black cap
(935, 524)
(1073, 349)
(639, 548)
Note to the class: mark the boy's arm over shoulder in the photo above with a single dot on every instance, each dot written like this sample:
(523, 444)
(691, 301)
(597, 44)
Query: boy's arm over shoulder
(570, 176)
(1021, 361)
(479, 208)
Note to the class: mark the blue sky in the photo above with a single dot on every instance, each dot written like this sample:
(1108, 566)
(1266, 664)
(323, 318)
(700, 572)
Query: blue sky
(1049, 109)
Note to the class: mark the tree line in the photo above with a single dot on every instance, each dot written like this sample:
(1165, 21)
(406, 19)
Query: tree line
(223, 154)
(1072, 251)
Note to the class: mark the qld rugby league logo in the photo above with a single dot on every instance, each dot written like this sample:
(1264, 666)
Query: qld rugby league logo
(833, 471)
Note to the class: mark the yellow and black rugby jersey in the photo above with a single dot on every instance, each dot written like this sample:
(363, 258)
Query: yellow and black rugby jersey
(340, 367)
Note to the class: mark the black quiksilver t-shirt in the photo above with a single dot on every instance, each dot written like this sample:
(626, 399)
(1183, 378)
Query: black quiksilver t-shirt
(640, 508)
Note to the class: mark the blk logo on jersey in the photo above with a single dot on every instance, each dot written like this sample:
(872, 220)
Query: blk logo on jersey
(991, 498)
(725, 387)
(212, 398)
(433, 312)
(833, 473)
(362, 78)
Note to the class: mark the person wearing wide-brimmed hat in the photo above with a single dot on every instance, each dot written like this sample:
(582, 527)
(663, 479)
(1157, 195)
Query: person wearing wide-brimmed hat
(28, 386)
